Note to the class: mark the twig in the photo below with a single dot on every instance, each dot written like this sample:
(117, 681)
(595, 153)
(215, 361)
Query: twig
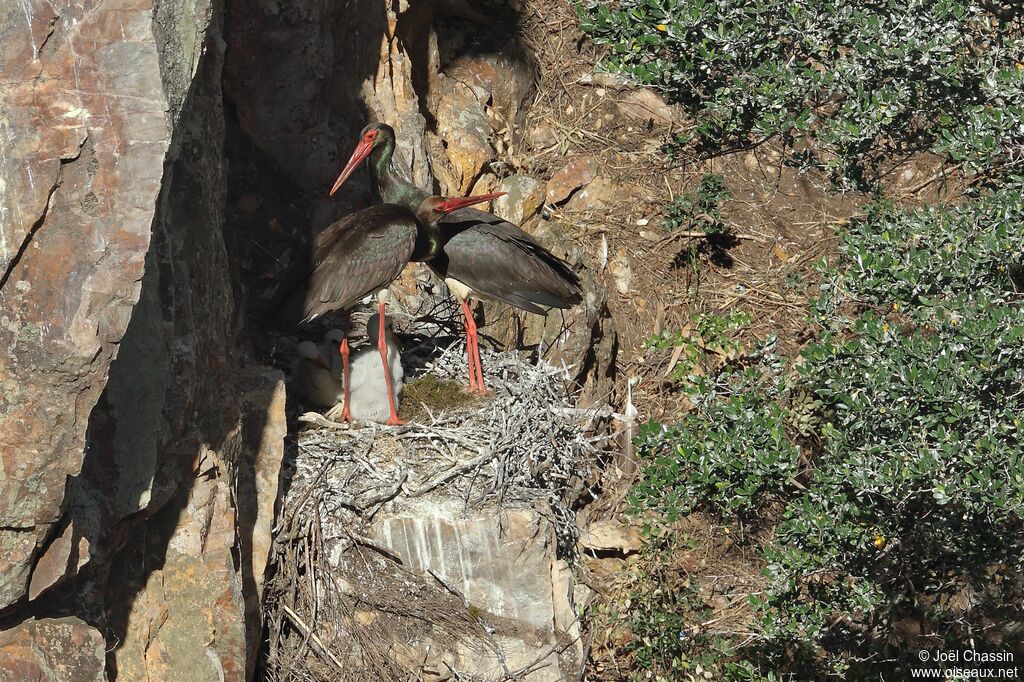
(450, 588)
(318, 419)
(940, 175)
(696, 234)
(370, 544)
(318, 645)
(448, 475)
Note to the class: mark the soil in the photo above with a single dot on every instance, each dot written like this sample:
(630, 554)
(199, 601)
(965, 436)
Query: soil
(784, 223)
(784, 220)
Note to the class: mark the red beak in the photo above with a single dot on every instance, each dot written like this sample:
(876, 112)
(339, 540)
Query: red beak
(362, 150)
(454, 204)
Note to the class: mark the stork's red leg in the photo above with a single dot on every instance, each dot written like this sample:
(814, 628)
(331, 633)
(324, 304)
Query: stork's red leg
(470, 358)
(382, 346)
(476, 373)
(481, 385)
(346, 416)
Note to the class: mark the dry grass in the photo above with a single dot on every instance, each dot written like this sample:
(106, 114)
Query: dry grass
(785, 219)
(717, 566)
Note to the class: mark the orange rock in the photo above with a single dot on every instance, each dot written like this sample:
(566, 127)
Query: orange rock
(571, 177)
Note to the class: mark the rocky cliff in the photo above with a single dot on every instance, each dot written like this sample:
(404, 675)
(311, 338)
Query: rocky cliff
(141, 452)
(159, 162)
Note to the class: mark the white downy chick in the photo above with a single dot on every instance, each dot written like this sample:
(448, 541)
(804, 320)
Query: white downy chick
(330, 350)
(368, 391)
(312, 378)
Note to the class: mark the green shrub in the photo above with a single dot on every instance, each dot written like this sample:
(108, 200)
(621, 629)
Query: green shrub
(918, 489)
(728, 456)
(911, 405)
(866, 79)
(705, 343)
(700, 211)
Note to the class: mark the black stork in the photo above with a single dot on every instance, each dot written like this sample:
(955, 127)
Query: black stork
(363, 254)
(481, 255)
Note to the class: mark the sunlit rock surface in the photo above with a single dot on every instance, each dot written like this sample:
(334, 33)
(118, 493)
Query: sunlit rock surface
(140, 457)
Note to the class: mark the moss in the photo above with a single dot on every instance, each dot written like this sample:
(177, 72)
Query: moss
(437, 394)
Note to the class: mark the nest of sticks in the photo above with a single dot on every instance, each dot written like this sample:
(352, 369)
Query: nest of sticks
(339, 605)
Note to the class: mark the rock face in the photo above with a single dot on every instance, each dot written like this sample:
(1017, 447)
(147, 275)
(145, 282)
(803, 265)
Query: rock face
(501, 562)
(77, 203)
(575, 174)
(140, 459)
(140, 448)
(523, 199)
(71, 651)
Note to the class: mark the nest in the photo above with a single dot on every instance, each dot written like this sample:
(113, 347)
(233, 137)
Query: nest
(342, 606)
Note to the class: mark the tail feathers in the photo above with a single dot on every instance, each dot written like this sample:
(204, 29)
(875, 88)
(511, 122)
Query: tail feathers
(560, 286)
(537, 302)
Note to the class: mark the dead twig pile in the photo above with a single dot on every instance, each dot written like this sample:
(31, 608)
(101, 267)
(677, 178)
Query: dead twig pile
(341, 605)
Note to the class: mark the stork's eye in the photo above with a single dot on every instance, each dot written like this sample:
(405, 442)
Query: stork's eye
(370, 135)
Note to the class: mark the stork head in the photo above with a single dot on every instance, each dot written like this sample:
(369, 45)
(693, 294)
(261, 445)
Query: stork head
(371, 137)
(436, 207)
(373, 330)
(310, 353)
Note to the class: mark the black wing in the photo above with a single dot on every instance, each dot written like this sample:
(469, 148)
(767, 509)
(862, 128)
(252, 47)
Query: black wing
(352, 258)
(498, 259)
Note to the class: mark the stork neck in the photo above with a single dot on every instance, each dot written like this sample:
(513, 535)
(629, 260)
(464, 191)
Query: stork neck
(392, 187)
(428, 241)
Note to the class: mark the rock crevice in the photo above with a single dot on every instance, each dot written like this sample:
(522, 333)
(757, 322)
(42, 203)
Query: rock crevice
(159, 161)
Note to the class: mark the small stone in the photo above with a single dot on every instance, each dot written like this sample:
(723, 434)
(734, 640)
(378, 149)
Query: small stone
(53, 565)
(571, 177)
(542, 136)
(646, 105)
(622, 273)
(608, 80)
(601, 92)
(524, 196)
(599, 194)
(606, 535)
(642, 222)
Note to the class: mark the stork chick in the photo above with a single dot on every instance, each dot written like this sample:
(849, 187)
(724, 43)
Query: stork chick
(368, 386)
(312, 378)
(329, 351)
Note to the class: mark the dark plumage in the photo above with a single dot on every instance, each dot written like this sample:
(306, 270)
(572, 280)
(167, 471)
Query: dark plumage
(476, 246)
(480, 254)
(355, 257)
(519, 271)
(361, 255)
